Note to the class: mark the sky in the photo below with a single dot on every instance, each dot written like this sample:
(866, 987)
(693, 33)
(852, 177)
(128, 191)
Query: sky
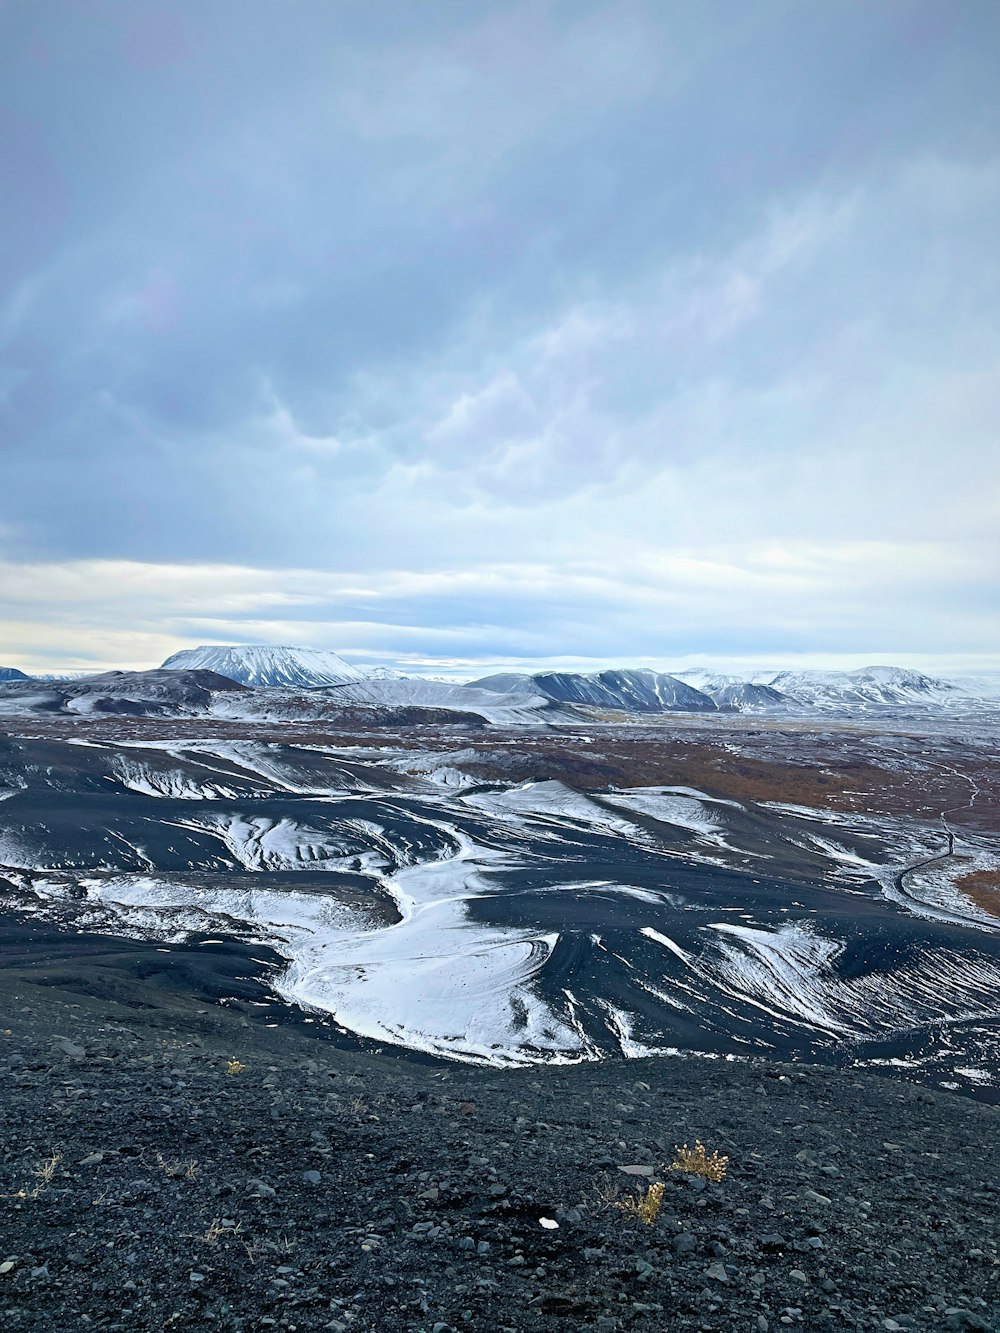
(457, 337)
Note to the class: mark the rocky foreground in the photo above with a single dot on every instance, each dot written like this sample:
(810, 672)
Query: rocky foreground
(172, 1171)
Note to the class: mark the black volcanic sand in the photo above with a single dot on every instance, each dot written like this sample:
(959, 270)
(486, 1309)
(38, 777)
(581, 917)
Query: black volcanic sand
(147, 1183)
(70, 809)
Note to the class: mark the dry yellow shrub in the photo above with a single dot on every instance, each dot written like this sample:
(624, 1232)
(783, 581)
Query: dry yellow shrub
(696, 1162)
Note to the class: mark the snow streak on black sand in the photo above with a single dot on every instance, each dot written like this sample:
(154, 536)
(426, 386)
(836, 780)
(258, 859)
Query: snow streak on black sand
(517, 924)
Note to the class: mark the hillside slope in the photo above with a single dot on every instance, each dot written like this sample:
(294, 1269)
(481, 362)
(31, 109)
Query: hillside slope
(157, 1184)
(634, 691)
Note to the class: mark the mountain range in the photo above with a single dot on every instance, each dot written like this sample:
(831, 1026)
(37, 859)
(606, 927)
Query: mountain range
(625, 690)
(281, 678)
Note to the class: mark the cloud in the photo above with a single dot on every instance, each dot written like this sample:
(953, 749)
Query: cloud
(617, 322)
(655, 606)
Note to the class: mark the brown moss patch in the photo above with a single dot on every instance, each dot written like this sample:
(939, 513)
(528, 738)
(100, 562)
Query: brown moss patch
(849, 769)
(983, 888)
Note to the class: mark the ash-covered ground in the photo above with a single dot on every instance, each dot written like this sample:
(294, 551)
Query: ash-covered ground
(169, 1163)
(464, 900)
(312, 1028)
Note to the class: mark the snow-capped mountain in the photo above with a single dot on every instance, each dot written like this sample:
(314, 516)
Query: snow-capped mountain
(985, 686)
(742, 696)
(267, 664)
(732, 694)
(878, 685)
(12, 673)
(638, 691)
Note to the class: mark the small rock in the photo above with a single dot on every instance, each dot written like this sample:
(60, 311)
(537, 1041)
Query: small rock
(717, 1272)
(797, 1275)
(311, 1177)
(6, 1267)
(772, 1241)
(637, 1170)
(92, 1159)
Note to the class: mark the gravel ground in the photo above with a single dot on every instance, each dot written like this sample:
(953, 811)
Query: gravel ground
(148, 1182)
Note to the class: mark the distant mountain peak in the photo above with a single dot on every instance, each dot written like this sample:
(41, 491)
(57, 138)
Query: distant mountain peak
(734, 694)
(267, 664)
(628, 690)
(877, 685)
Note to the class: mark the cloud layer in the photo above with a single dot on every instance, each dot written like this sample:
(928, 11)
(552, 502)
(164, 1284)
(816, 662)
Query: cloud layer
(466, 335)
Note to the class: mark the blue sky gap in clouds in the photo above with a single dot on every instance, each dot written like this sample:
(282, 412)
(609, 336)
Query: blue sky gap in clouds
(453, 336)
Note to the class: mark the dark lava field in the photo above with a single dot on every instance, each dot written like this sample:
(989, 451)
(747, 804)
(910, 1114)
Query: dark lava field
(390, 894)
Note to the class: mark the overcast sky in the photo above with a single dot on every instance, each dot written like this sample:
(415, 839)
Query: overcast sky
(449, 335)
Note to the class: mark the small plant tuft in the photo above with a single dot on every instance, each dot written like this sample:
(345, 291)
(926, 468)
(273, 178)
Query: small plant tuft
(236, 1067)
(47, 1170)
(175, 1169)
(645, 1206)
(217, 1229)
(697, 1162)
(43, 1173)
